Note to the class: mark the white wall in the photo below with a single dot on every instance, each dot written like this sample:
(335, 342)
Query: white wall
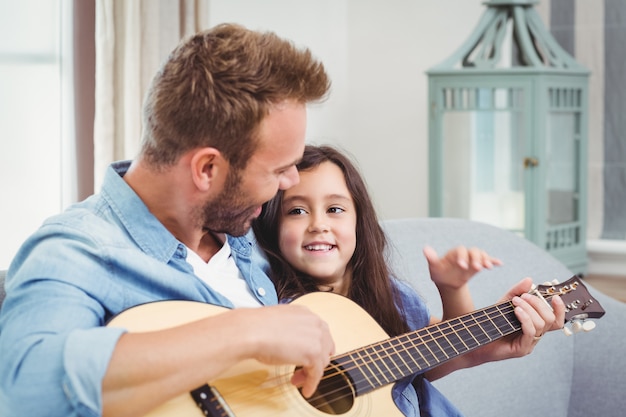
(377, 53)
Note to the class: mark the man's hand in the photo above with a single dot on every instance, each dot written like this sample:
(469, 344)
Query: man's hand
(292, 334)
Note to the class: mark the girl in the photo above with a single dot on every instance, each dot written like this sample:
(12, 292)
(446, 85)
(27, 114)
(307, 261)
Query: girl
(323, 235)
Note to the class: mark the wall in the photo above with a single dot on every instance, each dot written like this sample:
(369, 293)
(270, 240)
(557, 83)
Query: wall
(377, 53)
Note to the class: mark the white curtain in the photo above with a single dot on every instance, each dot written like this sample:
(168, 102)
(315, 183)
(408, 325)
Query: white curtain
(133, 37)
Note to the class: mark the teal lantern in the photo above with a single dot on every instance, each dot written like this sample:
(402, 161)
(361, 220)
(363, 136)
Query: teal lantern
(507, 132)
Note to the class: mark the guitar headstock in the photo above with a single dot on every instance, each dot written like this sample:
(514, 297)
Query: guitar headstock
(579, 304)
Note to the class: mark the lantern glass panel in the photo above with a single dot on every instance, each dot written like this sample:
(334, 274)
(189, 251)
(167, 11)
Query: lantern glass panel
(562, 154)
(561, 172)
(483, 143)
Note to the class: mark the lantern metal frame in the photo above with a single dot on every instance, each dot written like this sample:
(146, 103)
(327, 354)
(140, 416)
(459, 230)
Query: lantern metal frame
(511, 54)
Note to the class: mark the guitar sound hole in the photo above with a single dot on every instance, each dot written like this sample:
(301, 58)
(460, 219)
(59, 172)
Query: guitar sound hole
(334, 393)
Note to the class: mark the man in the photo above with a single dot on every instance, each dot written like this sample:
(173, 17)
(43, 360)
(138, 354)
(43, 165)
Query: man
(224, 125)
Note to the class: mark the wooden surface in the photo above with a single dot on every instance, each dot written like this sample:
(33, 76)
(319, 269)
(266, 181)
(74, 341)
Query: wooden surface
(612, 285)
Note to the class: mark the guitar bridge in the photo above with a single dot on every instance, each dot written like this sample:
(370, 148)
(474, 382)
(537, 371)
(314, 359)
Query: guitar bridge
(210, 402)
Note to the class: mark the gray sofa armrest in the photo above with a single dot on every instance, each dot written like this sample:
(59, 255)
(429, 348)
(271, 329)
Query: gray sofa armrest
(554, 379)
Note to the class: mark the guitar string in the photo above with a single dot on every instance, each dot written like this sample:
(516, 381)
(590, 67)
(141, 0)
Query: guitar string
(489, 314)
(408, 345)
(489, 317)
(427, 337)
(334, 371)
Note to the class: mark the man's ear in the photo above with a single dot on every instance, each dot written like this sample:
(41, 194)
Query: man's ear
(207, 166)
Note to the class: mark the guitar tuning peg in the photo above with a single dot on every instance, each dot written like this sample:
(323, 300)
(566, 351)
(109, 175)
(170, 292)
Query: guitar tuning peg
(547, 283)
(555, 281)
(567, 331)
(589, 325)
(577, 326)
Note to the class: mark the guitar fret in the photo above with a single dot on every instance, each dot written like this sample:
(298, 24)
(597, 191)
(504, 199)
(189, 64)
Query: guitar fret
(393, 360)
(425, 358)
(389, 360)
(479, 330)
(458, 328)
(466, 333)
(447, 342)
(495, 332)
(507, 319)
(383, 371)
(450, 340)
(434, 346)
(369, 376)
(415, 357)
(396, 357)
(489, 328)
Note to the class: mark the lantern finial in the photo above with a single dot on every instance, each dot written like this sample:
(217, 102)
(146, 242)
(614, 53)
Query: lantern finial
(510, 34)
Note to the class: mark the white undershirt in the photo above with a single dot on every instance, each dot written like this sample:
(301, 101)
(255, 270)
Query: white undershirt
(221, 274)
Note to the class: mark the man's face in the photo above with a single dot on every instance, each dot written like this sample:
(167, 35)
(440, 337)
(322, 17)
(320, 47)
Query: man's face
(271, 167)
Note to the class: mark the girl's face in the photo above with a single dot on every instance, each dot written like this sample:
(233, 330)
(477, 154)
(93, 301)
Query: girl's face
(318, 226)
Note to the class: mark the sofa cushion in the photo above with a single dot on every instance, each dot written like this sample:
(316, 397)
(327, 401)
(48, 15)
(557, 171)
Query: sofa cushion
(528, 386)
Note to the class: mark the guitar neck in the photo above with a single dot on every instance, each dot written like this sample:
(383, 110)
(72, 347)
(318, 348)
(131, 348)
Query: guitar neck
(390, 360)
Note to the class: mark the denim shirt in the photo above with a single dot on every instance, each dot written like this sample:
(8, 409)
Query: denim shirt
(82, 267)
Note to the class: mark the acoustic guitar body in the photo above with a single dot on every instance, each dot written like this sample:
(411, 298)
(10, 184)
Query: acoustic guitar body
(253, 389)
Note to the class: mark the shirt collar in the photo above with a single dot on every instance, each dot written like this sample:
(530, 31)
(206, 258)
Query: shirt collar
(145, 229)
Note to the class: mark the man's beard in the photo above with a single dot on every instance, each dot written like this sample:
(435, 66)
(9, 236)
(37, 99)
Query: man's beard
(229, 212)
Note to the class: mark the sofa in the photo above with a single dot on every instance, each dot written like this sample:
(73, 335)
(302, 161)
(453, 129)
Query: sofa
(579, 375)
(575, 376)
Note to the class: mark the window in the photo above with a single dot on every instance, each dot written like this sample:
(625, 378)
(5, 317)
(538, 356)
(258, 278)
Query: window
(30, 119)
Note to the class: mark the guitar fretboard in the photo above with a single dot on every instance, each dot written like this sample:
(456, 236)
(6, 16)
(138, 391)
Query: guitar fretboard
(385, 362)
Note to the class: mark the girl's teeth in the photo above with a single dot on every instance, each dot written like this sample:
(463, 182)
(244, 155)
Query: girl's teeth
(318, 247)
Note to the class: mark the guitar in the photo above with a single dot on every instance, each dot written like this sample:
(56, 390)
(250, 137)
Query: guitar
(358, 380)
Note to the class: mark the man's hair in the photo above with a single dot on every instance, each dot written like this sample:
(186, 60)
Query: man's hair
(371, 286)
(216, 87)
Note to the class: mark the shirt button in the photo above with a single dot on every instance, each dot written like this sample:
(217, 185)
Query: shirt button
(261, 291)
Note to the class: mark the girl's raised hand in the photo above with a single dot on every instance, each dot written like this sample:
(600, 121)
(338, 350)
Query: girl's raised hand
(457, 266)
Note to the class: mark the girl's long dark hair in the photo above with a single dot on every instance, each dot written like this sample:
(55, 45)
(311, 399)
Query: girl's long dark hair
(371, 285)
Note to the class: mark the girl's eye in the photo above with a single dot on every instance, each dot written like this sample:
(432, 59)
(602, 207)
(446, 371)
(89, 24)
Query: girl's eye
(336, 210)
(296, 211)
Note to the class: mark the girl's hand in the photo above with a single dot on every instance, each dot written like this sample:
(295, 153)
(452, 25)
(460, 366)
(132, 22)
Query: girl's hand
(456, 268)
(536, 317)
